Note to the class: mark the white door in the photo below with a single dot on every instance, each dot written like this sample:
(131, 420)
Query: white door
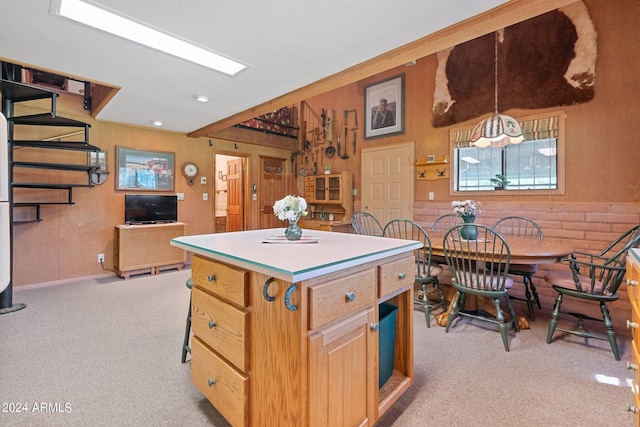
(387, 182)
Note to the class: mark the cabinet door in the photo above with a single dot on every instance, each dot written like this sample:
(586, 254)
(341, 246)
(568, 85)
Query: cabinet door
(342, 377)
(334, 187)
(320, 189)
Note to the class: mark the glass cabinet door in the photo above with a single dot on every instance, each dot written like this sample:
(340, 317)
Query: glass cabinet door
(334, 188)
(321, 192)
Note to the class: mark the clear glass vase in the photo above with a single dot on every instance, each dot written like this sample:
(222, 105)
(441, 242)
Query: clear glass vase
(293, 232)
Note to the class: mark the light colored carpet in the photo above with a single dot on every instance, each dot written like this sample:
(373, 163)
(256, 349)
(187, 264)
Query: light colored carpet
(110, 351)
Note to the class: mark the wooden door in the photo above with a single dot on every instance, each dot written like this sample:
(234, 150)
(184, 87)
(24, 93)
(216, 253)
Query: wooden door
(272, 188)
(235, 199)
(342, 374)
(387, 182)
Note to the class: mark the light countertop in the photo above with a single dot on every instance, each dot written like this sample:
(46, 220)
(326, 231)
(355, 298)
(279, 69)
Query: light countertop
(294, 262)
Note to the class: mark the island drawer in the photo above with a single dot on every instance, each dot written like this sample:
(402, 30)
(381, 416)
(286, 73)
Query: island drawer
(336, 298)
(223, 280)
(395, 275)
(222, 327)
(226, 388)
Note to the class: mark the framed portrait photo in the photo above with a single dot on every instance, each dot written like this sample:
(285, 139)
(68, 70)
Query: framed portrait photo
(384, 108)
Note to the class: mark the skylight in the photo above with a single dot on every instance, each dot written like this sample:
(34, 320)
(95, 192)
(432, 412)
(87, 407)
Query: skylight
(120, 25)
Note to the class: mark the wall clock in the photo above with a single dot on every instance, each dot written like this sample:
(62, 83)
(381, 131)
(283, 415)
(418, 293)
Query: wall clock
(190, 171)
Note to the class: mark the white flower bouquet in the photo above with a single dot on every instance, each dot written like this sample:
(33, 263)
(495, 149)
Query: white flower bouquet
(290, 208)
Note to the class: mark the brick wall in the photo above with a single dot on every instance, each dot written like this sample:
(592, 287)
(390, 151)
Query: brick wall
(591, 225)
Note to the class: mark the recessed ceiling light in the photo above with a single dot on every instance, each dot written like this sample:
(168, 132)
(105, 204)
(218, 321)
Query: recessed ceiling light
(201, 98)
(157, 123)
(123, 26)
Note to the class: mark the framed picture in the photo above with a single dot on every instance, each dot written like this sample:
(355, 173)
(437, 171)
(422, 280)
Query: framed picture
(384, 108)
(144, 170)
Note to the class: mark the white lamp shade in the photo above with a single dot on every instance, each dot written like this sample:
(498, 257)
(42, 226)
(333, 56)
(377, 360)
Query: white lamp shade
(497, 130)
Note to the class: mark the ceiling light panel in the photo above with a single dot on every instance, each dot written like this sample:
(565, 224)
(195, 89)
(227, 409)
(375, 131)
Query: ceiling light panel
(115, 23)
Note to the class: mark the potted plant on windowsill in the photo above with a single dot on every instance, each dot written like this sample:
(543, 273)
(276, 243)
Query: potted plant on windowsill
(499, 182)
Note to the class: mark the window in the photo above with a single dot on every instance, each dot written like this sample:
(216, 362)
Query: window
(535, 164)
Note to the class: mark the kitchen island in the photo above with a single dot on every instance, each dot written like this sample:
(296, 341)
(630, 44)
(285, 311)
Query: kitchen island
(287, 333)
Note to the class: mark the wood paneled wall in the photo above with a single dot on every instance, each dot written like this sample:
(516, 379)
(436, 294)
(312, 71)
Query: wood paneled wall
(602, 153)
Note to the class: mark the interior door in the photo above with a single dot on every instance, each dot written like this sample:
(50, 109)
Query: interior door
(387, 182)
(235, 199)
(272, 188)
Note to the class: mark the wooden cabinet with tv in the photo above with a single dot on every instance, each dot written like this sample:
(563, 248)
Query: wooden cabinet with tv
(145, 248)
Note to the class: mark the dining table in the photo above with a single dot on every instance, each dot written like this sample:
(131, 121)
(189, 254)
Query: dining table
(523, 251)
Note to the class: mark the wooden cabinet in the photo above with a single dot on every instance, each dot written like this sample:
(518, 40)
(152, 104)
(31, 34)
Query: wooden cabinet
(146, 248)
(269, 351)
(342, 372)
(633, 284)
(220, 324)
(220, 224)
(328, 196)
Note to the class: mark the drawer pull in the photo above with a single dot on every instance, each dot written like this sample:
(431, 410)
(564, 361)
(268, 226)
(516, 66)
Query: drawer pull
(631, 408)
(631, 325)
(211, 381)
(374, 327)
(350, 297)
(265, 290)
(402, 275)
(287, 298)
(632, 366)
(212, 324)
(631, 282)
(211, 278)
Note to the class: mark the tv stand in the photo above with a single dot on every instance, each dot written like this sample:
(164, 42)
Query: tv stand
(145, 248)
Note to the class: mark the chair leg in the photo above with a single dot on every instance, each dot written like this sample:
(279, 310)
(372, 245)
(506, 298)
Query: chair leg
(527, 281)
(458, 302)
(427, 307)
(534, 292)
(512, 312)
(610, 333)
(501, 324)
(554, 318)
(187, 333)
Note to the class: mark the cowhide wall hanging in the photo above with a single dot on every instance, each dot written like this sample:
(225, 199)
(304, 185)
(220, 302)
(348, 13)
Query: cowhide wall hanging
(543, 62)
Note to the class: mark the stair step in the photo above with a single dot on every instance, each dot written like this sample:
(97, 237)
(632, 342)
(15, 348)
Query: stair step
(35, 204)
(47, 185)
(56, 166)
(46, 119)
(18, 92)
(78, 146)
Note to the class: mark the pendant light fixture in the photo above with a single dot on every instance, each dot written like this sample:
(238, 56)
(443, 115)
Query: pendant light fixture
(497, 130)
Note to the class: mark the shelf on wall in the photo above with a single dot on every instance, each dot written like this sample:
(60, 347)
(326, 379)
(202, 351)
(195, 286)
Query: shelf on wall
(432, 168)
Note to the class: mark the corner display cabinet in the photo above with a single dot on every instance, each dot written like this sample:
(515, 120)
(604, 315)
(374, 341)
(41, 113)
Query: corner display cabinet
(633, 280)
(328, 196)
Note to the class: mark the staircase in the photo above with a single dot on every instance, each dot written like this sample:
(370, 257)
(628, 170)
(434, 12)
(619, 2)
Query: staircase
(58, 173)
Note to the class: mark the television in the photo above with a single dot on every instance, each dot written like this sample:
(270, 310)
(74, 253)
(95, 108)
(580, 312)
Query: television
(150, 209)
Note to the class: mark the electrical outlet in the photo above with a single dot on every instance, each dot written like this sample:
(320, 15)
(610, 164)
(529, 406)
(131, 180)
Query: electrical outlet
(205, 196)
(203, 180)
(100, 257)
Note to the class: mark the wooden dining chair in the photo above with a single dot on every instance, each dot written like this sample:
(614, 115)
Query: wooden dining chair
(480, 268)
(594, 278)
(523, 228)
(427, 272)
(444, 223)
(366, 224)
